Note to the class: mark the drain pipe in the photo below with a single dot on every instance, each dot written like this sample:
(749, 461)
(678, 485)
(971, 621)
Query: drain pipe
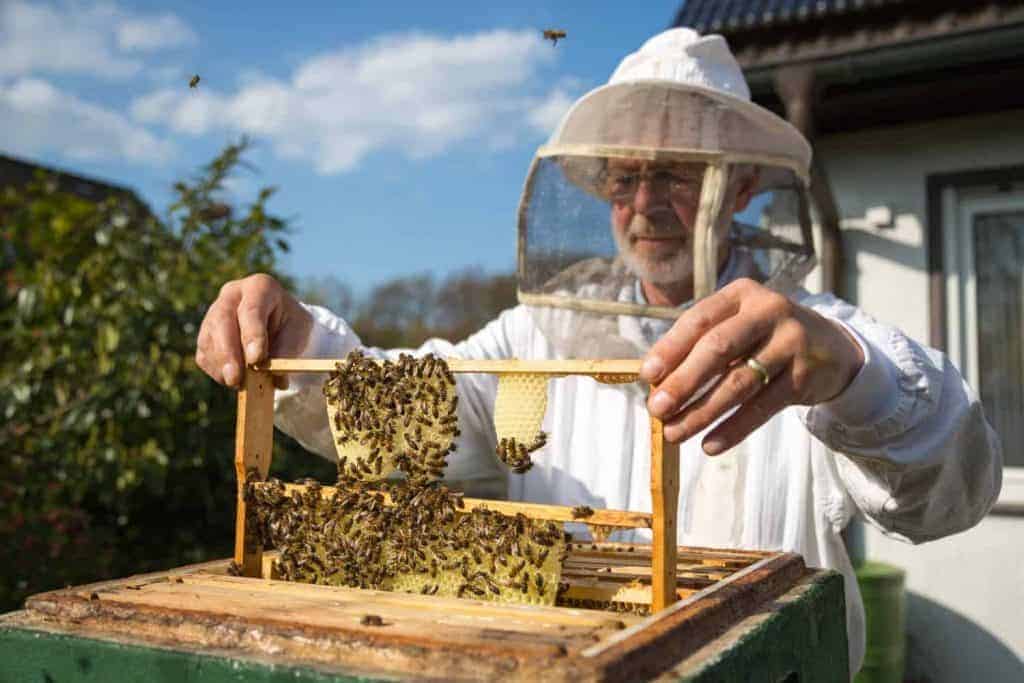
(795, 87)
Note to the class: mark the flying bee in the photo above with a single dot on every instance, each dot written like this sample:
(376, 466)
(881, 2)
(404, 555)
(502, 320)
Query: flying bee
(194, 81)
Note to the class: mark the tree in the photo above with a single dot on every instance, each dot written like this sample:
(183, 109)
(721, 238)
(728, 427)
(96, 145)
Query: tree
(406, 311)
(116, 449)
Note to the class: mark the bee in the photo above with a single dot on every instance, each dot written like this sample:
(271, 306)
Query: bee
(194, 81)
(554, 35)
(582, 512)
(371, 620)
(517, 568)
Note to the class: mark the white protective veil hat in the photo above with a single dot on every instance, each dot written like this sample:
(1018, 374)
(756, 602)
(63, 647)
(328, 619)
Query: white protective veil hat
(678, 111)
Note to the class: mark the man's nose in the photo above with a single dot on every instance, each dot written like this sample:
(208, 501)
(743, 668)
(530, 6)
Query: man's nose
(648, 197)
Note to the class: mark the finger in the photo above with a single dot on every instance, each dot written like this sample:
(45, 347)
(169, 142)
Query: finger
(226, 347)
(690, 326)
(204, 364)
(254, 312)
(738, 385)
(751, 415)
(710, 357)
(208, 357)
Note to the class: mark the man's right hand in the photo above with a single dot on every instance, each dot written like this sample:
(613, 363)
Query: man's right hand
(251, 319)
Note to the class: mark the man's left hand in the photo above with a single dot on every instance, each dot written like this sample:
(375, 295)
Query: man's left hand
(808, 359)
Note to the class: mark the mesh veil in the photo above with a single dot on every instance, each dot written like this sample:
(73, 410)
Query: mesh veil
(719, 183)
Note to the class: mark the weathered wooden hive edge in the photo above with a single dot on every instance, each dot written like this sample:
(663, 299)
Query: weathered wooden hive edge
(661, 641)
(341, 651)
(642, 651)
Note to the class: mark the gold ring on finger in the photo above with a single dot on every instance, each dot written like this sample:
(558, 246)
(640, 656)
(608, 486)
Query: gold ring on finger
(760, 370)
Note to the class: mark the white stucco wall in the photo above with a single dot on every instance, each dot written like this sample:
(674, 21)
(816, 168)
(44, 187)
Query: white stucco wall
(966, 608)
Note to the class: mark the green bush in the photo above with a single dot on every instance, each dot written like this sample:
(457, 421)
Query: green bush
(115, 450)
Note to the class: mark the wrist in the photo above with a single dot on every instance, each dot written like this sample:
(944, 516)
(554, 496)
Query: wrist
(871, 391)
(854, 356)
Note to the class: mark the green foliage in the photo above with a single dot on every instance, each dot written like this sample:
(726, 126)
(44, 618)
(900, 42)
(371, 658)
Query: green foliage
(116, 449)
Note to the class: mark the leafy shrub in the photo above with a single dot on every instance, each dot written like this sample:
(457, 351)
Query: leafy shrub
(115, 450)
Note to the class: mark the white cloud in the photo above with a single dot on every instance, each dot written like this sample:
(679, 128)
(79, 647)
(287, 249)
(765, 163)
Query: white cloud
(548, 112)
(74, 38)
(145, 34)
(416, 93)
(47, 119)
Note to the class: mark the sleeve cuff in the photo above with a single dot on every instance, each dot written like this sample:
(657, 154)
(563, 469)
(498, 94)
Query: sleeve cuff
(872, 393)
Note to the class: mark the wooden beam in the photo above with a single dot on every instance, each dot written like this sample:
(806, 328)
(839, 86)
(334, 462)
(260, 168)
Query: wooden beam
(254, 444)
(556, 513)
(665, 505)
(497, 367)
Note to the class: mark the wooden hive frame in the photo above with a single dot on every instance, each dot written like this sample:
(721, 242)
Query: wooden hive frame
(254, 448)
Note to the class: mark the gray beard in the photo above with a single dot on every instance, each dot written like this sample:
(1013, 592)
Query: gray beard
(668, 271)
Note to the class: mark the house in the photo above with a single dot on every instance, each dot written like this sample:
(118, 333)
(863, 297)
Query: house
(915, 109)
(16, 172)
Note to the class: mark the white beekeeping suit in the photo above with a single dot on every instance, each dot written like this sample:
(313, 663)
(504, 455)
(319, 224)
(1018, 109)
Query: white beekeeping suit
(905, 445)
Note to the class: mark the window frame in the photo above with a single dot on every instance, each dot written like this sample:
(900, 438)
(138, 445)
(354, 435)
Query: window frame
(953, 201)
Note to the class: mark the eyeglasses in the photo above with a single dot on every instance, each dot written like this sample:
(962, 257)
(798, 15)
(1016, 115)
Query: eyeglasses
(681, 184)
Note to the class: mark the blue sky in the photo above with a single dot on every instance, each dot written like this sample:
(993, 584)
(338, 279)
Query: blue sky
(398, 133)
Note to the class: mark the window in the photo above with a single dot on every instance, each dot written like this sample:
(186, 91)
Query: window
(983, 270)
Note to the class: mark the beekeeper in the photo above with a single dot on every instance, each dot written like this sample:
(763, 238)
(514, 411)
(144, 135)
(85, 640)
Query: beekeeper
(635, 240)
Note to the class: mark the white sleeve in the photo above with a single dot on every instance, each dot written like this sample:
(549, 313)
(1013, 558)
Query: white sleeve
(300, 410)
(912, 445)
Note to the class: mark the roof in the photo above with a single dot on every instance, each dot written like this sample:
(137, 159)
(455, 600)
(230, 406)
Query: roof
(770, 33)
(876, 62)
(16, 172)
(717, 16)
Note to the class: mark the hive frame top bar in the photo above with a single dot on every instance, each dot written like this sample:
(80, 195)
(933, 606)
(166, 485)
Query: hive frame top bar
(630, 366)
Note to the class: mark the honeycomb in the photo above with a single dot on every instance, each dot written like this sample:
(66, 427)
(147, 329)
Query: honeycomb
(518, 413)
(420, 543)
(387, 416)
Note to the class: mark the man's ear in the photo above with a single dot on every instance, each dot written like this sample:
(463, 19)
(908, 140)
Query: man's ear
(746, 190)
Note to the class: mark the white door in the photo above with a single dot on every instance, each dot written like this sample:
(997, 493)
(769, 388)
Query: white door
(984, 257)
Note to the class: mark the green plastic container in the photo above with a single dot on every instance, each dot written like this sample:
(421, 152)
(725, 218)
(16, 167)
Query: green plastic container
(882, 587)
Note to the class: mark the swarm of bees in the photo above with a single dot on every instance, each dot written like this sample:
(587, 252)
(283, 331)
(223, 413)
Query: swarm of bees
(407, 537)
(388, 416)
(413, 535)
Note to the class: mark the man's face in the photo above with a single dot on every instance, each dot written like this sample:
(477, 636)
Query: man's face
(654, 210)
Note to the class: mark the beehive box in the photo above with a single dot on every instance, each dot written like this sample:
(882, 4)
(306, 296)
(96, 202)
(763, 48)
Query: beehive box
(630, 611)
(202, 609)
